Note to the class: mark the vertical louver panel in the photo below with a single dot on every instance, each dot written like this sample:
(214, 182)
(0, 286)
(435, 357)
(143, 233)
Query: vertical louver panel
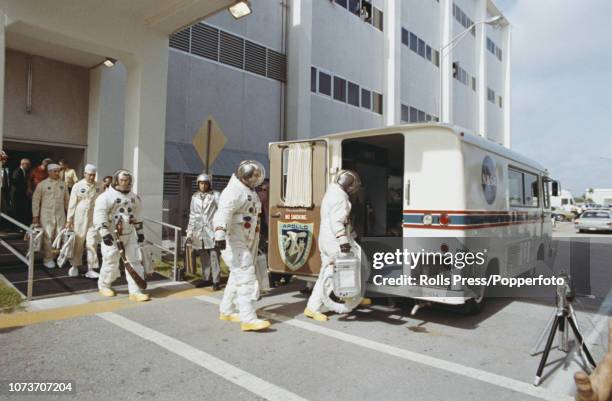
(171, 184)
(205, 41)
(277, 66)
(180, 40)
(255, 58)
(231, 51)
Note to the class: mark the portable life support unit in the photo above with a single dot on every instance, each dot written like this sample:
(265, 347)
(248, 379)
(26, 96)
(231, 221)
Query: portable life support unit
(63, 244)
(423, 185)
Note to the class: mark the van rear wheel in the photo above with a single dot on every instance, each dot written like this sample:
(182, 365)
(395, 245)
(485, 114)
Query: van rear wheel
(473, 306)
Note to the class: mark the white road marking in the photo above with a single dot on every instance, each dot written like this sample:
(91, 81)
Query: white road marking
(215, 365)
(452, 367)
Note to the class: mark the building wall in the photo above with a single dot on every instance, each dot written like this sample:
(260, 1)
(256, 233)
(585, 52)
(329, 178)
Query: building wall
(60, 98)
(344, 46)
(419, 77)
(246, 106)
(496, 81)
(324, 35)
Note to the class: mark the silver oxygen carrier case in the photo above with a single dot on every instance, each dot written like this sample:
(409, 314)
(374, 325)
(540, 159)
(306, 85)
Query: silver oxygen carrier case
(347, 275)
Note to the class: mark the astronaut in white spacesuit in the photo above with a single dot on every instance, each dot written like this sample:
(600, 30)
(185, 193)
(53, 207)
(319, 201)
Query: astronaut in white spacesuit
(118, 205)
(80, 220)
(49, 203)
(334, 237)
(237, 235)
(200, 230)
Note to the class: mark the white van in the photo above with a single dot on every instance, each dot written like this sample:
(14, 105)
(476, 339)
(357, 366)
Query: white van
(565, 201)
(425, 186)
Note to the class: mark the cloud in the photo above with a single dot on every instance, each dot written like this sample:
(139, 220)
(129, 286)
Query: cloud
(562, 81)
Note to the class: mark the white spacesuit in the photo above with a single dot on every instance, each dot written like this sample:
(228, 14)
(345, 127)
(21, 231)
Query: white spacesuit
(80, 219)
(334, 237)
(49, 203)
(237, 235)
(118, 204)
(200, 232)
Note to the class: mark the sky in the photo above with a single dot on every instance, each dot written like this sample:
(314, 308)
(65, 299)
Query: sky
(562, 88)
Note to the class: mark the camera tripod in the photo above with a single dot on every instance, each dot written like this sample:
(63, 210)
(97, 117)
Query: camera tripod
(563, 317)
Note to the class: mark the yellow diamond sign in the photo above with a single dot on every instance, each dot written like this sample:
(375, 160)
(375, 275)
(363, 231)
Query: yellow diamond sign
(208, 142)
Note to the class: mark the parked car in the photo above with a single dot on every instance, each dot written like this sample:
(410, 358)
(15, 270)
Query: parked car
(594, 220)
(561, 214)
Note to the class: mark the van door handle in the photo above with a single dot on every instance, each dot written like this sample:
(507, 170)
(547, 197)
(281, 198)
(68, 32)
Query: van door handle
(275, 215)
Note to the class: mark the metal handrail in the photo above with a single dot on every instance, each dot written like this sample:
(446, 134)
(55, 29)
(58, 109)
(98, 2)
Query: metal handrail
(28, 258)
(177, 240)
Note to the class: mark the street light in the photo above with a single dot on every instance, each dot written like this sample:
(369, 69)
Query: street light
(240, 9)
(495, 21)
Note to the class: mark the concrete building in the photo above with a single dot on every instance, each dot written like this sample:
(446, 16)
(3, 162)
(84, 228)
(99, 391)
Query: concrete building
(60, 101)
(292, 69)
(599, 196)
(297, 69)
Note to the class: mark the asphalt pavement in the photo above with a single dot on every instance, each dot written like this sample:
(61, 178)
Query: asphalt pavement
(175, 348)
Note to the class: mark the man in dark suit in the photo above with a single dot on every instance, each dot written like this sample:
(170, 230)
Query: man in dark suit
(22, 198)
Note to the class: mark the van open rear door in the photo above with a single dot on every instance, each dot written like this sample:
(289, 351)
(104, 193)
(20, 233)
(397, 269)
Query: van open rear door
(297, 185)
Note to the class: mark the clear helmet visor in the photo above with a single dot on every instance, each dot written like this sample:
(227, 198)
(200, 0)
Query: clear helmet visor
(251, 173)
(349, 181)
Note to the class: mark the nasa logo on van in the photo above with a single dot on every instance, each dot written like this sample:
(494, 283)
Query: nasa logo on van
(489, 179)
(294, 243)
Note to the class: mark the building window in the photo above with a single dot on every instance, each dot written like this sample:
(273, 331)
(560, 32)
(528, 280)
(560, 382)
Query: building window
(474, 84)
(414, 43)
(500, 102)
(490, 46)
(427, 117)
(421, 116)
(421, 47)
(377, 19)
(366, 99)
(428, 52)
(378, 102)
(313, 79)
(414, 115)
(491, 95)
(341, 3)
(353, 7)
(324, 83)
(405, 113)
(498, 53)
(353, 94)
(436, 58)
(405, 37)
(339, 89)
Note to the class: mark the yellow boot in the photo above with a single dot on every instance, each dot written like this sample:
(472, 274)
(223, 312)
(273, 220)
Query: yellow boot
(318, 316)
(139, 297)
(107, 292)
(255, 326)
(234, 317)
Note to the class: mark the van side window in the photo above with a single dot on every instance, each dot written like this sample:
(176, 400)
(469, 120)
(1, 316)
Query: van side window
(531, 190)
(523, 188)
(515, 187)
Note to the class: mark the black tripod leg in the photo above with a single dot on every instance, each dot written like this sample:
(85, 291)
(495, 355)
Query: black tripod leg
(551, 337)
(588, 355)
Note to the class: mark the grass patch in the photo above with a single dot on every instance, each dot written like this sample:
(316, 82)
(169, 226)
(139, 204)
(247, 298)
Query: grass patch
(10, 299)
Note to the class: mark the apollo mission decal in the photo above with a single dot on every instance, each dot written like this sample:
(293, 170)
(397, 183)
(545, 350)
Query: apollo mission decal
(294, 243)
(489, 180)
